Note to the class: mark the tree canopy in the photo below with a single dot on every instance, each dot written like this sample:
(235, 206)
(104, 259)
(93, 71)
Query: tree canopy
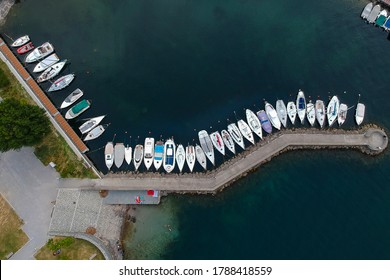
(21, 124)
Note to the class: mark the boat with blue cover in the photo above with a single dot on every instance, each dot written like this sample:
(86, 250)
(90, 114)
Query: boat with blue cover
(169, 156)
(301, 106)
(158, 154)
(386, 26)
(265, 123)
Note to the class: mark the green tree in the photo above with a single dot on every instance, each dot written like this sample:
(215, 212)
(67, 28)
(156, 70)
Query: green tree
(21, 124)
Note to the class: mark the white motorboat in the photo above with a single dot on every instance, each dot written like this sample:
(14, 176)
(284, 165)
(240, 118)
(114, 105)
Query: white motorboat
(169, 155)
(292, 111)
(281, 110)
(246, 131)
(72, 98)
(320, 112)
(311, 113)
(95, 133)
(254, 123)
(301, 106)
(148, 152)
(180, 157)
(200, 156)
(51, 72)
(20, 41)
(119, 154)
(359, 113)
(374, 14)
(128, 154)
(333, 110)
(158, 154)
(342, 113)
(61, 82)
(190, 157)
(109, 155)
(138, 156)
(40, 52)
(90, 124)
(272, 115)
(46, 63)
(367, 10)
(236, 135)
(228, 141)
(207, 146)
(218, 142)
(78, 109)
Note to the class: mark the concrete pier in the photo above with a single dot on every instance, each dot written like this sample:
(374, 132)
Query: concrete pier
(370, 139)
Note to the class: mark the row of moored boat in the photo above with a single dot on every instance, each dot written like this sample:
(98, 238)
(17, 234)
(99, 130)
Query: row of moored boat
(376, 15)
(168, 155)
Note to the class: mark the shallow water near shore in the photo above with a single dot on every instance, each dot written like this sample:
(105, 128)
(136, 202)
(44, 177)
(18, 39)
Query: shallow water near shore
(174, 67)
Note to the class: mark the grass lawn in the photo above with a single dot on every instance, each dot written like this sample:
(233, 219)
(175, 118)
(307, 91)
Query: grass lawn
(78, 250)
(12, 237)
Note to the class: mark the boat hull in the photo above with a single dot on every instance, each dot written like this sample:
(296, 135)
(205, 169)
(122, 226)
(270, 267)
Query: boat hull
(190, 157)
(148, 152)
(320, 112)
(138, 156)
(311, 113)
(95, 133)
(169, 159)
(291, 112)
(119, 154)
(236, 135)
(301, 106)
(228, 141)
(201, 157)
(254, 123)
(272, 116)
(217, 141)
(281, 110)
(20, 41)
(359, 113)
(332, 110)
(180, 157)
(158, 154)
(207, 146)
(109, 155)
(128, 154)
(265, 123)
(342, 114)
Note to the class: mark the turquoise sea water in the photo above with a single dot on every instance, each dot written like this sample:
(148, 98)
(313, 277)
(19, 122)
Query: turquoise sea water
(173, 67)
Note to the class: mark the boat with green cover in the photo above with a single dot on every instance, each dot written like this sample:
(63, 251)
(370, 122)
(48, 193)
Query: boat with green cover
(78, 109)
(381, 19)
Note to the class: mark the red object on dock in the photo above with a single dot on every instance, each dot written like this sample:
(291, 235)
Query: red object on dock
(27, 47)
(150, 192)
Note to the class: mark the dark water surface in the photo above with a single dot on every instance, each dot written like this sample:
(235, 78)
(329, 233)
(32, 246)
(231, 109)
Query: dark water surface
(171, 66)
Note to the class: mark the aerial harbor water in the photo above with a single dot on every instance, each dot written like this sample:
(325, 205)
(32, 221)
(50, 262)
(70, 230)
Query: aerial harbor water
(174, 67)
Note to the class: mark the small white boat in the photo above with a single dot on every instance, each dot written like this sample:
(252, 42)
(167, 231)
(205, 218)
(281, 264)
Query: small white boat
(46, 63)
(78, 109)
(281, 110)
(190, 157)
(149, 152)
(90, 124)
(342, 114)
(374, 14)
(207, 146)
(311, 113)
(292, 111)
(367, 10)
(254, 123)
(95, 133)
(109, 155)
(119, 156)
(128, 154)
(40, 52)
(301, 106)
(200, 156)
(158, 154)
(272, 115)
(359, 113)
(333, 110)
(180, 157)
(138, 155)
(72, 98)
(218, 142)
(236, 135)
(320, 112)
(246, 131)
(20, 41)
(61, 82)
(228, 141)
(169, 155)
(51, 72)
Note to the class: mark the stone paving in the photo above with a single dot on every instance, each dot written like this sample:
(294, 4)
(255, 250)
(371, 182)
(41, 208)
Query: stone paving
(5, 7)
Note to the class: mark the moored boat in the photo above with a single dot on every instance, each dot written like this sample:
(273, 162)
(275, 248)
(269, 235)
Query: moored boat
(246, 131)
(311, 113)
(109, 155)
(200, 156)
(61, 83)
(78, 109)
(207, 146)
(119, 156)
(90, 124)
(359, 113)
(26, 48)
(381, 19)
(95, 133)
(158, 154)
(236, 135)
(51, 72)
(169, 155)
(228, 141)
(320, 112)
(367, 10)
(332, 110)
(148, 152)
(291, 111)
(20, 41)
(301, 106)
(190, 157)
(180, 157)
(254, 123)
(374, 14)
(138, 155)
(272, 115)
(40, 52)
(265, 123)
(72, 98)
(386, 26)
(281, 110)
(217, 141)
(342, 113)
(46, 63)
(128, 154)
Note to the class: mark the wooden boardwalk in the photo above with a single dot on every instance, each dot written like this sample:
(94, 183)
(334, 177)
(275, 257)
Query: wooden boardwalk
(369, 140)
